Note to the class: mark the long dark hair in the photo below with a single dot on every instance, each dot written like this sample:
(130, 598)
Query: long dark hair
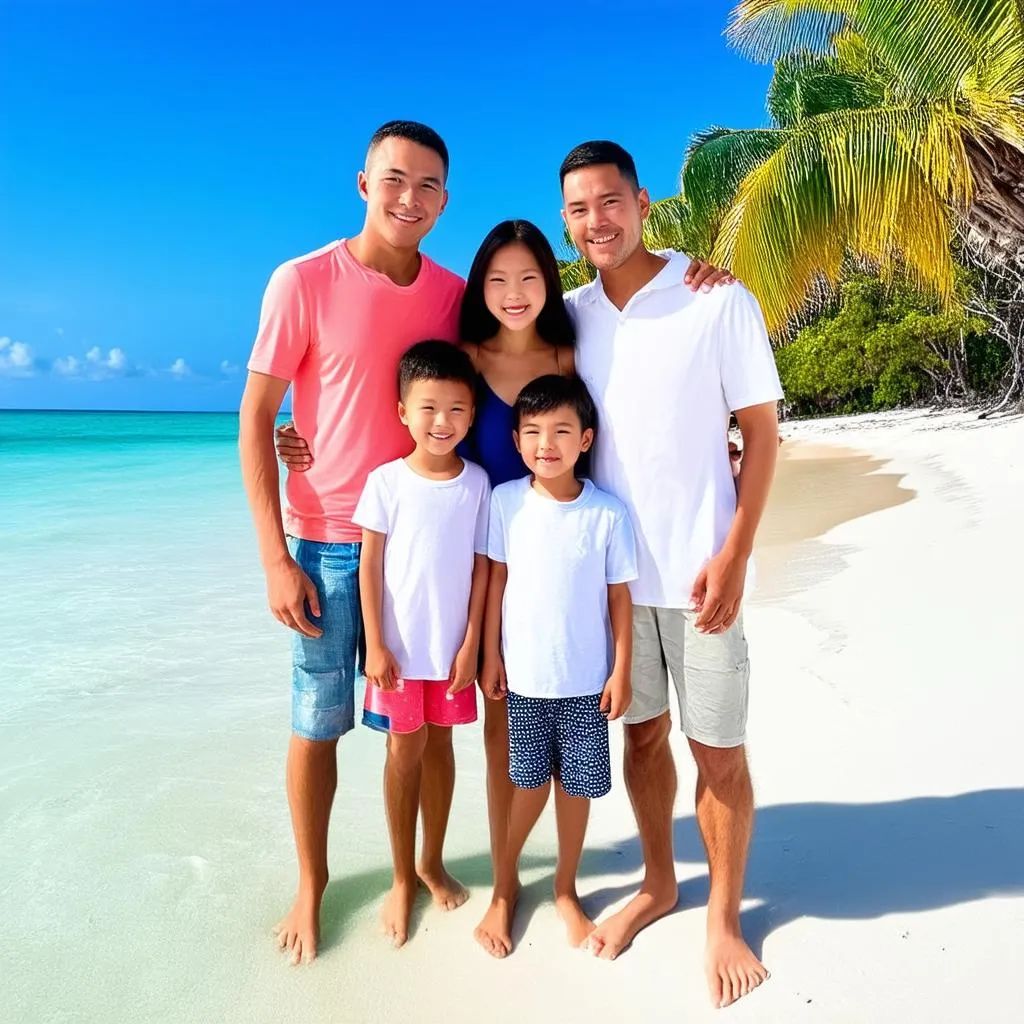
(477, 323)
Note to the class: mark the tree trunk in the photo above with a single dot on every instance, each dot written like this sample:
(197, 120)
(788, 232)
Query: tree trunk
(997, 213)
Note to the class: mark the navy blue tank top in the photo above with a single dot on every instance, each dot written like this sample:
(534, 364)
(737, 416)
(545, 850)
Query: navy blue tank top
(490, 443)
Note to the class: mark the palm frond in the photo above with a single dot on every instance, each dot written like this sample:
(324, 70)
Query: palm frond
(765, 30)
(933, 47)
(670, 225)
(805, 85)
(717, 161)
(879, 182)
(575, 273)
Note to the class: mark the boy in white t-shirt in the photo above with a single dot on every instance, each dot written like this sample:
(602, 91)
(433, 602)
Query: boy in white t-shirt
(557, 639)
(423, 582)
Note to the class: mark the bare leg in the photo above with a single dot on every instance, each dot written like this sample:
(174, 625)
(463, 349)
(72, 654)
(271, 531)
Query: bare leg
(494, 932)
(403, 771)
(436, 789)
(651, 782)
(571, 815)
(311, 778)
(725, 814)
(499, 785)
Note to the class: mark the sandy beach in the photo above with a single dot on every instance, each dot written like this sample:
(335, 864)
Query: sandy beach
(887, 871)
(886, 880)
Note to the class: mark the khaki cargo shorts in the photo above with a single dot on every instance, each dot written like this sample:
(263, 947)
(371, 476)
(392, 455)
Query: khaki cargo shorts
(711, 675)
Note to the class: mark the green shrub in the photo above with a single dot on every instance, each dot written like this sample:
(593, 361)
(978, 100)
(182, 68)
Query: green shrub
(880, 348)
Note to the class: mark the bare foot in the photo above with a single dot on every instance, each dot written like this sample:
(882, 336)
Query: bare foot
(494, 932)
(396, 912)
(577, 925)
(611, 937)
(448, 893)
(732, 969)
(298, 933)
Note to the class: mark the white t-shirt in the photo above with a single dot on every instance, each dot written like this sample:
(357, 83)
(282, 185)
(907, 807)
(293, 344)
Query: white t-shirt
(561, 556)
(434, 528)
(665, 373)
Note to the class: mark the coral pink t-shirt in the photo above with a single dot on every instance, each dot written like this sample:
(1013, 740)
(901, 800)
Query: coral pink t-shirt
(336, 330)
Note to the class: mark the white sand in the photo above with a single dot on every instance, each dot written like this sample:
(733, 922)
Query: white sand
(887, 875)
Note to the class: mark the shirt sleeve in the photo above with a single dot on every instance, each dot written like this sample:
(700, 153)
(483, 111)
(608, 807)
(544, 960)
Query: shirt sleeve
(283, 337)
(620, 558)
(749, 375)
(481, 539)
(372, 508)
(496, 530)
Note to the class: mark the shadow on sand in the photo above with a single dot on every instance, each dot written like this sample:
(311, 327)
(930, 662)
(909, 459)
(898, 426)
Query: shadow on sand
(824, 860)
(855, 861)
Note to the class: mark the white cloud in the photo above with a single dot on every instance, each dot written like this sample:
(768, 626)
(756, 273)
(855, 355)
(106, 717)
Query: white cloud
(98, 365)
(180, 368)
(68, 367)
(16, 358)
(228, 369)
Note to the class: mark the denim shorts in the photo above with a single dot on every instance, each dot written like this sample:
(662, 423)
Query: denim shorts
(324, 669)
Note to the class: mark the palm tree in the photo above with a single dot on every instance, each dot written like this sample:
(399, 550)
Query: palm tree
(892, 120)
(669, 225)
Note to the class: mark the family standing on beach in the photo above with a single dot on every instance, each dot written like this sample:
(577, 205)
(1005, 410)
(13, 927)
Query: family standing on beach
(496, 485)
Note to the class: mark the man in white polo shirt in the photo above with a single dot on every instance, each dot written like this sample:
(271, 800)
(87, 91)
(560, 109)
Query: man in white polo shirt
(666, 367)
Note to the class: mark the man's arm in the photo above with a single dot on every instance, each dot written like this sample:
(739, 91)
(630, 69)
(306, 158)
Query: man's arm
(759, 427)
(718, 590)
(288, 587)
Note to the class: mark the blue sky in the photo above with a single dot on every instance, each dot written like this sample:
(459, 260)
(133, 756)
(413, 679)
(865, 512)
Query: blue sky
(157, 160)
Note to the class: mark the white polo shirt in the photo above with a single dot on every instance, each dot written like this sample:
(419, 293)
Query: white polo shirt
(665, 373)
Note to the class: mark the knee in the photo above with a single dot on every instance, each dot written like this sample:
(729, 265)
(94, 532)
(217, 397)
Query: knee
(721, 768)
(646, 739)
(439, 737)
(496, 727)
(439, 743)
(405, 750)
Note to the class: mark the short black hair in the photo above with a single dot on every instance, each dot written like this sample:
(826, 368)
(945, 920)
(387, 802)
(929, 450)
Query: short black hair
(434, 360)
(551, 392)
(600, 151)
(412, 131)
(477, 323)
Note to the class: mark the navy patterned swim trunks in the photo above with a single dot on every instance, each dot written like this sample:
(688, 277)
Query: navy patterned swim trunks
(562, 736)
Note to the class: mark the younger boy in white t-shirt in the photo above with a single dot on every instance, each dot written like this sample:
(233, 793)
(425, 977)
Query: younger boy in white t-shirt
(557, 639)
(423, 582)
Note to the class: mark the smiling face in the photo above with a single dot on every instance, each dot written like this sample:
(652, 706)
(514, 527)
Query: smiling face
(552, 442)
(438, 414)
(514, 291)
(403, 186)
(604, 214)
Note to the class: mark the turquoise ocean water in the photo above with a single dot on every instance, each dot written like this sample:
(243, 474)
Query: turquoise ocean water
(145, 847)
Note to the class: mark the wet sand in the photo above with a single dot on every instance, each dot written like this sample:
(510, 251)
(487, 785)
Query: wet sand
(817, 488)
